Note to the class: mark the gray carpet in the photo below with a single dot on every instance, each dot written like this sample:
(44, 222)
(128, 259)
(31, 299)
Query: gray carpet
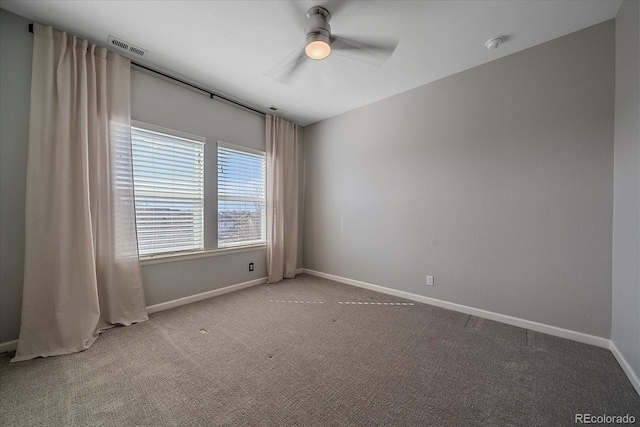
(312, 352)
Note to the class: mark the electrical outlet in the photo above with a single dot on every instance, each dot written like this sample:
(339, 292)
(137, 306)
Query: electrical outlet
(250, 266)
(429, 280)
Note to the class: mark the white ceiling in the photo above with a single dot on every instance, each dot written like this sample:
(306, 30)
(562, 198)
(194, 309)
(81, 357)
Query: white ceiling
(227, 46)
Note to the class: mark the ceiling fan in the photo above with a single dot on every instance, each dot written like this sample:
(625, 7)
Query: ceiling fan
(320, 43)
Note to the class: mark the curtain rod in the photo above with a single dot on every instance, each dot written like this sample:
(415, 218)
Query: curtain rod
(211, 94)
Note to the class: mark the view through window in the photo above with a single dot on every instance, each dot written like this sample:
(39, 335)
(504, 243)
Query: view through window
(168, 172)
(241, 196)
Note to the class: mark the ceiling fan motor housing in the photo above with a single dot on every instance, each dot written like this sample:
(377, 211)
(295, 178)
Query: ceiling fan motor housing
(318, 28)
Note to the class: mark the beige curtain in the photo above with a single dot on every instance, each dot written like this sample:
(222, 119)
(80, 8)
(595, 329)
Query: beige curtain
(282, 198)
(82, 274)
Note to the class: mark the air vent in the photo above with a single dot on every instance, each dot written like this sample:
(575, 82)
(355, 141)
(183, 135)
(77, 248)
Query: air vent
(123, 45)
(274, 108)
(120, 44)
(137, 51)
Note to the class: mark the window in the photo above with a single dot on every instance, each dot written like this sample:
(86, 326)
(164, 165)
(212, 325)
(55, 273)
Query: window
(168, 174)
(241, 196)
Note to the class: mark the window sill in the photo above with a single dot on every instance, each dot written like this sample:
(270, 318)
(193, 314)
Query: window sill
(159, 259)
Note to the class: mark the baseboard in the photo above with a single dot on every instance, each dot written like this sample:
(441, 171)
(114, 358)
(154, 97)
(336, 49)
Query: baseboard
(12, 345)
(631, 374)
(8, 346)
(515, 321)
(634, 378)
(205, 295)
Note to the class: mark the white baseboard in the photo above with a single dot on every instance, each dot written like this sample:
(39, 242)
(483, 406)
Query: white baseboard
(631, 374)
(8, 346)
(12, 345)
(534, 326)
(515, 321)
(205, 295)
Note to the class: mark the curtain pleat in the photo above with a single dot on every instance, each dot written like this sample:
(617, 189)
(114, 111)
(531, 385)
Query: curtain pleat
(82, 274)
(282, 198)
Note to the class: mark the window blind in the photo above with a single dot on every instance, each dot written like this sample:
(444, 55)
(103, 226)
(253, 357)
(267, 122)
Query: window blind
(168, 172)
(241, 196)
(123, 221)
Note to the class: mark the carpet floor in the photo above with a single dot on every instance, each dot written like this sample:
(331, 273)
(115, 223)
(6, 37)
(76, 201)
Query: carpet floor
(312, 352)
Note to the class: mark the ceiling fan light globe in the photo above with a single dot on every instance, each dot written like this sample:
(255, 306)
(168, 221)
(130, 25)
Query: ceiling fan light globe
(317, 49)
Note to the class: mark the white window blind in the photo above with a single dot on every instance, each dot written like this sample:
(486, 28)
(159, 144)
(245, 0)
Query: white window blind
(241, 196)
(168, 172)
(122, 219)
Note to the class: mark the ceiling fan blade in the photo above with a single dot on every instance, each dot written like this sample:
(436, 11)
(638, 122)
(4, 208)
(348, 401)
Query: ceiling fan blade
(297, 12)
(285, 68)
(372, 52)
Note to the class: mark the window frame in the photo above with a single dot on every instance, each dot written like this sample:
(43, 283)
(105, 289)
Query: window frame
(247, 243)
(181, 135)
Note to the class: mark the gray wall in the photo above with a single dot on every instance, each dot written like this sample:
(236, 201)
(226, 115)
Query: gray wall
(625, 328)
(155, 101)
(498, 181)
(15, 89)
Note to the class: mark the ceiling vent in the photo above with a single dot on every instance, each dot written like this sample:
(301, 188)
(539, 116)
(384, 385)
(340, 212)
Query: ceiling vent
(126, 46)
(274, 108)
